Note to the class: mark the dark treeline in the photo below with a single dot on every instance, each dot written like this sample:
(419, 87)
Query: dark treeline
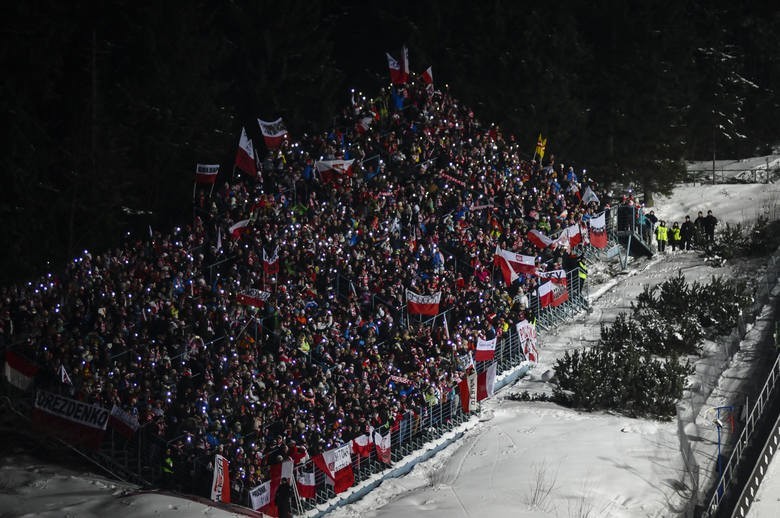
(109, 104)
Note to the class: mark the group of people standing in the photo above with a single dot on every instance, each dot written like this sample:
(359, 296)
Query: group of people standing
(689, 235)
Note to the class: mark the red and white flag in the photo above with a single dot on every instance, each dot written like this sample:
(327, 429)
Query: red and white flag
(19, 371)
(240, 228)
(552, 294)
(206, 173)
(337, 466)
(486, 382)
(539, 239)
(574, 234)
(361, 445)
(330, 170)
(382, 443)
(399, 72)
(271, 263)
(274, 132)
(512, 264)
(363, 124)
(245, 156)
(468, 392)
(220, 482)
(423, 304)
(526, 331)
(306, 483)
(486, 350)
(427, 78)
(562, 241)
(253, 297)
(598, 231)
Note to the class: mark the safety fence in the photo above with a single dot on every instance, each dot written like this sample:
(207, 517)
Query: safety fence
(760, 403)
(418, 426)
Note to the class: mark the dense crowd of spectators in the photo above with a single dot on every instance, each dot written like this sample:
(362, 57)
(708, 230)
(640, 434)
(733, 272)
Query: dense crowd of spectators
(154, 327)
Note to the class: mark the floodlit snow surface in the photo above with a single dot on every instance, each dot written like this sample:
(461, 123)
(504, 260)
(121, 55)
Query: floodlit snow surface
(524, 459)
(31, 488)
(767, 502)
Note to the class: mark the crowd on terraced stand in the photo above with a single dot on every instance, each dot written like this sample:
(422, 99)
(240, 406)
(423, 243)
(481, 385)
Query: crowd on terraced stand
(155, 327)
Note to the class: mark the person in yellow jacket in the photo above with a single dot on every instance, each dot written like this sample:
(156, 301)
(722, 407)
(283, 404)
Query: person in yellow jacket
(675, 236)
(662, 235)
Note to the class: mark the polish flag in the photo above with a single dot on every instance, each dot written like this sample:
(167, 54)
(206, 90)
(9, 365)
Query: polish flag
(539, 239)
(399, 72)
(527, 333)
(423, 304)
(382, 443)
(361, 446)
(19, 371)
(253, 297)
(552, 294)
(206, 173)
(306, 483)
(486, 350)
(239, 228)
(512, 264)
(363, 124)
(271, 264)
(220, 483)
(337, 466)
(574, 234)
(486, 383)
(331, 169)
(427, 78)
(598, 231)
(274, 132)
(468, 392)
(245, 156)
(277, 471)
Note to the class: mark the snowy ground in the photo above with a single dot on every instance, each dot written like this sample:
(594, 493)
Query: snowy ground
(518, 459)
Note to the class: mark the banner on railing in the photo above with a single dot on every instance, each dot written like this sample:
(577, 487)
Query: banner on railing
(486, 349)
(220, 483)
(92, 416)
(123, 422)
(468, 392)
(527, 334)
(260, 495)
(306, 483)
(382, 443)
(19, 371)
(75, 421)
(337, 466)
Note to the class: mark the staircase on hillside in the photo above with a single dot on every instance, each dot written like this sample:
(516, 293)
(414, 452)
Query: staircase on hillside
(632, 236)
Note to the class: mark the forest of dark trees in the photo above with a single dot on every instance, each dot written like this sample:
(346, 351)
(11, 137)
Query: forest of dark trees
(110, 104)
